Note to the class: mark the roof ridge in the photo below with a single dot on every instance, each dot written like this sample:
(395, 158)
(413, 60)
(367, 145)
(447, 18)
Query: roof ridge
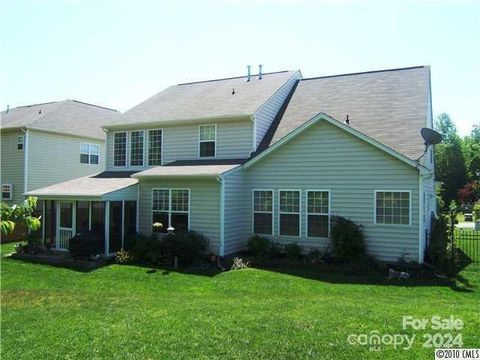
(99, 106)
(231, 78)
(365, 72)
(25, 106)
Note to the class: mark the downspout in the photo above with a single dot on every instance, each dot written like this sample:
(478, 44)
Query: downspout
(254, 134)
(25, 160)
(221, 180)
(421, 222)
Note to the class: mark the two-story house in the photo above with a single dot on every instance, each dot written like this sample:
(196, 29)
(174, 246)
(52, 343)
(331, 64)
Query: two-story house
(271, 154)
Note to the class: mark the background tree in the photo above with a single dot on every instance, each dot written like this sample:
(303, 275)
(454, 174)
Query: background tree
(471, 152)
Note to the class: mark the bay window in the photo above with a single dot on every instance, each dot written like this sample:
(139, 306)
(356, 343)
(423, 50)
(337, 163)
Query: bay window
(120, 149)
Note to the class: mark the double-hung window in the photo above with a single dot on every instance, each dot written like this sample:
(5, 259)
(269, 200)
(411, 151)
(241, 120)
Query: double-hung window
(170, 207)
(120, 149)
(318, 213)
(20, 141)
(207, 140)
(392, 207)
(154, 147)
(289, 212)
(6, 192)
(136, 147)
(263, 212)
(89, 153)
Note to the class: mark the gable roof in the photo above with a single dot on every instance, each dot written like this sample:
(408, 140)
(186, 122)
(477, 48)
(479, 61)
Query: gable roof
(390, 106)
(207, 100)
(67, 117)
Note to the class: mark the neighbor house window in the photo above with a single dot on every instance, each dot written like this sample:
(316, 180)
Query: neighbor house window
(20, 141)
(136, 148)
(89, 153)
(318, 213)
(155, 147)
(207, 139)
(290, 212)
(170, 207)
(120, 149)
(392, 207)
(6, 192)
(263, 212)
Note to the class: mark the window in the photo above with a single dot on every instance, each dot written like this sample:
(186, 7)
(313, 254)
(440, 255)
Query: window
(20, 140)
(89, 153)
(263, 212)
(120, 149)
(318, 213)
(207, 139)
(170, 207)
(154, 147)
(6, 192)
(136, 148)
(290, 212)
(392, 207)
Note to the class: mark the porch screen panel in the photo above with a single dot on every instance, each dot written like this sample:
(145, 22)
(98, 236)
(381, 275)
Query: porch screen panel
(82, 216)
(136, 148)
(115, 241)
(154, 147)
(130, 221)
(50, 222)
(160, 210)
(120, 149)
(98, 219)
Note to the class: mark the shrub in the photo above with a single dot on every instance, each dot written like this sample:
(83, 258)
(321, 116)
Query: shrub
(239, 264)
(476, 210)
(147, 249)
(293, 250)
(275, 250)
(86, 243)
(440, 247)
(123, 257)
(258, 245)
(347, 240)
(188, 246)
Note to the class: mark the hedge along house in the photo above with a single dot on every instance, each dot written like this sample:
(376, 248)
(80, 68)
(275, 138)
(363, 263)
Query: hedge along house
(276, 155)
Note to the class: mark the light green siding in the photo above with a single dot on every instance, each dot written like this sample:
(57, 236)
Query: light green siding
(130, 193)
(180, 142)
(12, 165)
(326, 157)
(55, 158)
(204, 206)
(235, 231)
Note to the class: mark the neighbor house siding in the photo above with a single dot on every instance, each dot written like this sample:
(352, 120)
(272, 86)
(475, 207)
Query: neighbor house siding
(12, 165)
(326, 157)
(267, 112)
(204, 205)
(180, 142)
(54, 158)
(235, 232)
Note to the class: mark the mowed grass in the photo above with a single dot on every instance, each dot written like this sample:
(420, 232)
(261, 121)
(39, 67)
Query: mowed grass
(126, 312)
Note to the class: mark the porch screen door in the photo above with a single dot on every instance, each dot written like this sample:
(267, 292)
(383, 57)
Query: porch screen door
(65, 230)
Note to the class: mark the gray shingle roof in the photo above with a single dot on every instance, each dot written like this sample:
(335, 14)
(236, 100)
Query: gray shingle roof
(389, 106)
(207, 99)
(186, 170)
(67, 116)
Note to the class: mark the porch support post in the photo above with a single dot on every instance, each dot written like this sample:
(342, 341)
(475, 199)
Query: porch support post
(123, 223)
(74, 218)
(57, 225)
(107, 227)
(43, 221)
(89, 215)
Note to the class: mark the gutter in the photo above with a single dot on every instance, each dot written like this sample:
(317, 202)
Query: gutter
(222, 181)
(25, 160)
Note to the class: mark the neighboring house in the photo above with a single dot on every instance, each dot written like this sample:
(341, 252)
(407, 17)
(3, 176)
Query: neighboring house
(43, 144)
(273, 154)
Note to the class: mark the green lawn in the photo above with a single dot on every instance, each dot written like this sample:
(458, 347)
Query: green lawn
(128, 312)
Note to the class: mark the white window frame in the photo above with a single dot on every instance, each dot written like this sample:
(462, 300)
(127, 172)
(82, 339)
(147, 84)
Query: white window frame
(290, 213)
(263, 212)
(10, 191)
(126, 149)
(392, 191)
(129, 152)
(200, 141)
(329, 214)
(21, 140)
(89, 153)
(148, 146)
(170, 205)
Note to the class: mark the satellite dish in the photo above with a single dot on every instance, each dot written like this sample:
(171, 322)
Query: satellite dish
(431, 136)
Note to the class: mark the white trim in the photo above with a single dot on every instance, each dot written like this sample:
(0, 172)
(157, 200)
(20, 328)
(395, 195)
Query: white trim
(254, 137)
(329, 214)
(130, 148)
(421, 216)
(25, 162)
(123, 223)
(222, 215)
(137, 220)
(291, 213)
(263, 212)
(324, 117)
(200, 141)
(107, 227)
(89, 215)
(126, 149)
(43, 220)
(169, 212)
(148, 146)
(392, 191)
(10, 191)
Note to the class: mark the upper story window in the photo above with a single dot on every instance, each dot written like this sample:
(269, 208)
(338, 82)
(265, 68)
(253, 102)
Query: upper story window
(392, 207)
(89, 153)
(6, 192)
(120, 149)
(20, 141)
(136, 148)
(207, 140)
(155, 147)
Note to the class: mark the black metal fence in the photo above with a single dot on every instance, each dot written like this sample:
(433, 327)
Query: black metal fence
(467, 244)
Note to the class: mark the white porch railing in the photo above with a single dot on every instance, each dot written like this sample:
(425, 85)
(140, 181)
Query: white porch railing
(64, 235)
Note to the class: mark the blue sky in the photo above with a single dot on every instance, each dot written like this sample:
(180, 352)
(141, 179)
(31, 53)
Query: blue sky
(117, 54)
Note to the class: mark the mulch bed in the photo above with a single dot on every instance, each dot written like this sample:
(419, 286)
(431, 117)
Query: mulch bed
(61, 261)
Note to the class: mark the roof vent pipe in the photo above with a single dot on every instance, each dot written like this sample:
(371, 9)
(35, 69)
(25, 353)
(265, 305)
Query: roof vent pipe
(260, 75)
(249, 75)
(347, 120)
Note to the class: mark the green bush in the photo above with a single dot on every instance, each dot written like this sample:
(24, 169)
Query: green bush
(348, 242)
(275, 250)
(476, 210)
(439, 246)
(293, 250)
(258, 245)
(188, 246)
(147, 249)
